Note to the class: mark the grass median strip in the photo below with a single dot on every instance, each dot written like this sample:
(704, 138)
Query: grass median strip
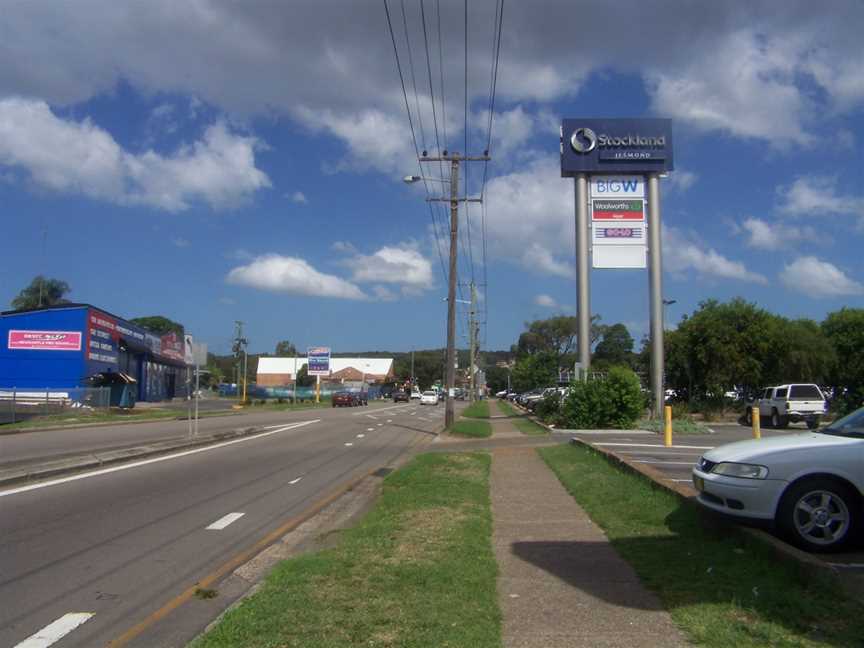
(417, 571)
(679, 426)
(507, 408)
(721, 587)
(471, 428)
(527, 426)
(480, 409)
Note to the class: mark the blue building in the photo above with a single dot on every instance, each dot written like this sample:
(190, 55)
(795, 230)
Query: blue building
(64, 346)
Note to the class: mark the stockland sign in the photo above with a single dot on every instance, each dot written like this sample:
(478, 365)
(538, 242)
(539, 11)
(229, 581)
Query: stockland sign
(616, 146)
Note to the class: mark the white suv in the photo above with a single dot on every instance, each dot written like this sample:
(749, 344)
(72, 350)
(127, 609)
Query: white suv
(789, 404)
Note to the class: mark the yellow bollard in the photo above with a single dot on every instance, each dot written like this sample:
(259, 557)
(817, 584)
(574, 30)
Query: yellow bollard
(757, 432)
(667, 430)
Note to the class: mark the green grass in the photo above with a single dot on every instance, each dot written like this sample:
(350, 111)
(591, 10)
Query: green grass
(471, 428)
(527, 426)
(79, 418)
(478, 409)
(679, 426)
(418, 571)
(507, 408)
(721, 587)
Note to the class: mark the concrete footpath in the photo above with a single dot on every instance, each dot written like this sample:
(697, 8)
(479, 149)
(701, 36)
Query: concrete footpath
(560, 581)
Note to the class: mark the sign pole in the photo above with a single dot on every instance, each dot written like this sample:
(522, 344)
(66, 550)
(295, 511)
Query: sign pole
(317, 389)
(656, 284)
(583, 297)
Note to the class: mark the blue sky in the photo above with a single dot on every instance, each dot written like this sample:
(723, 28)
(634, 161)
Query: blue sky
(212, 162)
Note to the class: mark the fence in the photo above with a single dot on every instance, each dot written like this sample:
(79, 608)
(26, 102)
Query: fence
(20, 404)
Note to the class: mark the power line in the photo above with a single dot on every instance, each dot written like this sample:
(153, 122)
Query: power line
(411, 121)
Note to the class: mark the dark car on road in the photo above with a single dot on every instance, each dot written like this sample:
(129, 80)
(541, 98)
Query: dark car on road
(401, 397)
(345, 399)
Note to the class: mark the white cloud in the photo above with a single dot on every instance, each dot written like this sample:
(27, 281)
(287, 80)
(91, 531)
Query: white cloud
(382, 293)
(79, 157)
(299, 197)
(743, 86)
(545, 301)
(539, 259)
(344, 246)
(815, 278)
(293, 276)
(817, 196)
(403, 265)
(776, 236)
(532, 204)
(682, 255)
(681, 180)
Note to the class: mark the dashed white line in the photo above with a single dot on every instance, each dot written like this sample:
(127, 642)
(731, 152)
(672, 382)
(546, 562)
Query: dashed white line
(294, 481)
(360, 436)
(224, 521)
(144, 462)
(389, 420)
(374, 418)
(370, 429)
(349, 444)
(53, 632)
(380, 424)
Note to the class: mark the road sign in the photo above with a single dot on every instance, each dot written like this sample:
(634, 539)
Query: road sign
(618, 227)
(318, 361)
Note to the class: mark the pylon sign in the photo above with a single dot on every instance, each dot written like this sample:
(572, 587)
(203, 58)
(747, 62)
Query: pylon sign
(618, 223)
(318, 361)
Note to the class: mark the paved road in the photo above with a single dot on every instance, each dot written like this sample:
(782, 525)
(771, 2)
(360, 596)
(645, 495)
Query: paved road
(29, 446)
(676, 463)
(121, 544)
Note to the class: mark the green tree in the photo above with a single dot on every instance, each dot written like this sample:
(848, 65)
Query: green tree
(496, 378)
(844, 330)
(303, 377)
(615, 347)
(537, 370)
(42, 291)
(159, 324)
(285, 349)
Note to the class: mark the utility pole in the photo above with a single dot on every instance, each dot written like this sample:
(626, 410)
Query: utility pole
(472, 338)
(412, 370)
(240, 345)
(454, 159)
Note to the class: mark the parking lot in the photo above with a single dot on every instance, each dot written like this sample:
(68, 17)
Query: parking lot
(676, 462)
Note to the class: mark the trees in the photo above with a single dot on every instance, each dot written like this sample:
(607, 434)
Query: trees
(537, 370)
(42, 291)
(285, 349)
(615, 347)
(159, 324)
(844, 330)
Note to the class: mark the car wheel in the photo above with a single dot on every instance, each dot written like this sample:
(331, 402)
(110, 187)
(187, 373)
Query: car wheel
(775, 419)
(748, 416)
(819, 515)
(813, 423)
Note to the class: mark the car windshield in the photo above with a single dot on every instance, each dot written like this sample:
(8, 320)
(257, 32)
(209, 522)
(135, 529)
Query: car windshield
(851, 425)
(430, 393)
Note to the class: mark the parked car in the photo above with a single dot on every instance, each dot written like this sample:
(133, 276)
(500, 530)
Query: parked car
(429, 398)
(400, 396)
(809, 485)
(501, 394)
(790, 404)
(344, 399)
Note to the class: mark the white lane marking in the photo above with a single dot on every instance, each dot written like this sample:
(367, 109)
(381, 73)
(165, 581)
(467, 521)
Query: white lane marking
(370, 429)
(380, 424)
(374, 418)
(389, 420)
(654, 445)
(53, 632)
(665, 454)
(680, 480)
(384, 409)
(360, 436)
(666, 463)
(224, 521)
(294, 481)
(144, 462)
(349, 444)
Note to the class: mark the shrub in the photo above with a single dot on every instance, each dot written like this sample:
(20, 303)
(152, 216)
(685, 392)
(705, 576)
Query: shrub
(547, 409)
(615, 402)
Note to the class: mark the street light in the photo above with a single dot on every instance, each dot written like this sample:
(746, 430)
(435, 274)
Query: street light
(667, 302)
(411, 179)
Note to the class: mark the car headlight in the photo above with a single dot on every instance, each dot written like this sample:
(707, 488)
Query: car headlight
(747, 471)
